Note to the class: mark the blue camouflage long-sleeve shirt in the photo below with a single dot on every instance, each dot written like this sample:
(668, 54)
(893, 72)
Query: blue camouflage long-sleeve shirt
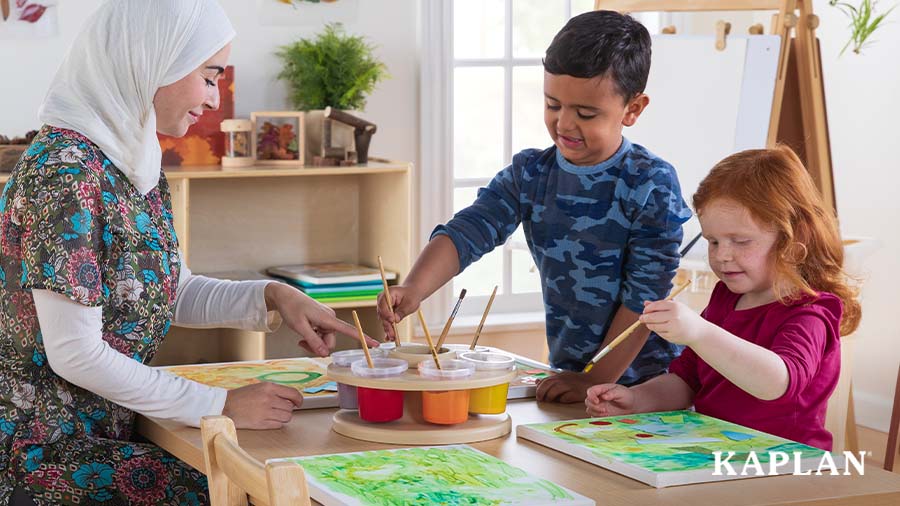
(601, 236)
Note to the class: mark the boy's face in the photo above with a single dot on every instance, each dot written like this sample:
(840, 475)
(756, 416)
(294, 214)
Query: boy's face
(585, 116)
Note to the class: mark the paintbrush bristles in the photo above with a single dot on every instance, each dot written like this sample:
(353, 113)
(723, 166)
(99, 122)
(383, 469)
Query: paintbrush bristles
(625, 333)
(437, 363)
(447, 325)
(487, 310)
(362, 340)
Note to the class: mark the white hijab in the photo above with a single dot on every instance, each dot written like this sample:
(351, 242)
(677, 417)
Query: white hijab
(128, 49)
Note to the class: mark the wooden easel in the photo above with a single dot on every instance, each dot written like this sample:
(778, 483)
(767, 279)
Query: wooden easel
(798, 119)
(798, 116)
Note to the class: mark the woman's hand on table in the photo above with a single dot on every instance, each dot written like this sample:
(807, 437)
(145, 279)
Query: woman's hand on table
(262, 405)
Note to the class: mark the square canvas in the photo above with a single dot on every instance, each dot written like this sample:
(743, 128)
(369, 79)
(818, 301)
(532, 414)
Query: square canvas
(456, 474)
(305, 374)
(668, 448)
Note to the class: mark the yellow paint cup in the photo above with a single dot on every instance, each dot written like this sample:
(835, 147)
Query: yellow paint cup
(488, 400)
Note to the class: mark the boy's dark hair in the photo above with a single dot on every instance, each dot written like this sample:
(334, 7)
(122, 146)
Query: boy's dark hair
(603, 43)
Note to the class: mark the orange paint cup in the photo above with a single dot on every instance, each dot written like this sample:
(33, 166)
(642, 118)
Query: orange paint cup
(446, 407)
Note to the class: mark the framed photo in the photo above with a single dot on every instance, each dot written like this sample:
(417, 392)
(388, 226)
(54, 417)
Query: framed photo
(277, 138)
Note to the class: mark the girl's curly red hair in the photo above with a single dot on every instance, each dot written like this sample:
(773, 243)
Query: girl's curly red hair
(778, 191)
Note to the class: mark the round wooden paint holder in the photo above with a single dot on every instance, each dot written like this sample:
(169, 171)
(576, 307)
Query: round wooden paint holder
(412, 428)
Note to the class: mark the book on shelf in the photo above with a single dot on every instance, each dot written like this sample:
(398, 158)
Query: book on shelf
(346, 295)
(345, 288)
(329, 274)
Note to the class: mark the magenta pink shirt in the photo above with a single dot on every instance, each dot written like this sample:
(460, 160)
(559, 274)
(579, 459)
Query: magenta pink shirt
(805, 334)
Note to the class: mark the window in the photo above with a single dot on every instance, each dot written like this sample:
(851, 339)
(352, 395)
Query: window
(482, 102)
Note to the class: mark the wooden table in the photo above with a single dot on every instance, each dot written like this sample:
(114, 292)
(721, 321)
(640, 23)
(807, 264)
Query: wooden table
(310, 434)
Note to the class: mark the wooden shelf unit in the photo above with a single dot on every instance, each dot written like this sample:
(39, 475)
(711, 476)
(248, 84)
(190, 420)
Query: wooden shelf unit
(251, 218)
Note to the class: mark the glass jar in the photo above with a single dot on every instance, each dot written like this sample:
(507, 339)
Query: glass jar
(238, 152)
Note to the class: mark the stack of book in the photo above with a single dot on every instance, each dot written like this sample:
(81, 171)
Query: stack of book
(334, 282)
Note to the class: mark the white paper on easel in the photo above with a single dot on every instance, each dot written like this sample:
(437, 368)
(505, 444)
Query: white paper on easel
(706, 104)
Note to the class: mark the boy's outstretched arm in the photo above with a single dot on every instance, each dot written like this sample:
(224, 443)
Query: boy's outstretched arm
(437, 264)
(572, 387)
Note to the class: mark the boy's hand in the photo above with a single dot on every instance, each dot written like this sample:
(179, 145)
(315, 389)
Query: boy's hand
(674, 321)
(609, 399)
(566, 387)
(406, 301)
(261, 405)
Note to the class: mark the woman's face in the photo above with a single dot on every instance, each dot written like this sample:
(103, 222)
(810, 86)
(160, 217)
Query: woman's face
(180, 104)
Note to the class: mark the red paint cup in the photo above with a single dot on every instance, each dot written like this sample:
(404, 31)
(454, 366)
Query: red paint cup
(377, 404)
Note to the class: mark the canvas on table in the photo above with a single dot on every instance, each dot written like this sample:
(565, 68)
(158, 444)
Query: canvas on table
(456, 474)
(305, 374)
(669, 448)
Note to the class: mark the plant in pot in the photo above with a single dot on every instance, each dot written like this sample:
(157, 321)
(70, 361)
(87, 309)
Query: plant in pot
(335, 70)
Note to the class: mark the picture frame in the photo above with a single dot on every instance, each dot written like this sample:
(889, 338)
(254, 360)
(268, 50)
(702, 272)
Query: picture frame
(278, 138)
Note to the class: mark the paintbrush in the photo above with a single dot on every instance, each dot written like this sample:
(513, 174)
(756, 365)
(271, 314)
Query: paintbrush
(450, 320)
(631, 328)
(390, 301)
(483, 318)
(362, 340)
(437, 363)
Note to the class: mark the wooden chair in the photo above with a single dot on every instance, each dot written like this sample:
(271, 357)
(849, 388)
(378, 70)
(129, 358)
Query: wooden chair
(233, 474)
(891, 451)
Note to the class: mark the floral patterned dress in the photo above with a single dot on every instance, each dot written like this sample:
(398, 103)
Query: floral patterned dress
(72, 223)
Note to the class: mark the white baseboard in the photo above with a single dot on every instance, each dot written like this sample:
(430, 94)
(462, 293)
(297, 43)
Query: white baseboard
(872, 411)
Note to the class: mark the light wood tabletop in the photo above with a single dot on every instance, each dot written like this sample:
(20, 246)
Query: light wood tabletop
(310, 434)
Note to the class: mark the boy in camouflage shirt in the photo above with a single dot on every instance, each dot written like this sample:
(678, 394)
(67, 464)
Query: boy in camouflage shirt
(602, 216)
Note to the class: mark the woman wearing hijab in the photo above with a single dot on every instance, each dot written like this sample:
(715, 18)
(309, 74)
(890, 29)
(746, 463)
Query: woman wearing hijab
(91, 276)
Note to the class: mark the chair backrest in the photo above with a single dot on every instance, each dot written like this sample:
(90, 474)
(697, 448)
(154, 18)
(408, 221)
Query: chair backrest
(891, 451)
(233, 474)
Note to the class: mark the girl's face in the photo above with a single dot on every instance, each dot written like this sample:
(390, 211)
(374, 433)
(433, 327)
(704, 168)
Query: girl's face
(740, 251)
(180, 104)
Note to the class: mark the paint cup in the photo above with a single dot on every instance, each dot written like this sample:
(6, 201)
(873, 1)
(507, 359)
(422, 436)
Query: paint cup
(446, 407)
(376, 404)
(347, 393)
(459, 349)
(489, 400)
(414, 354)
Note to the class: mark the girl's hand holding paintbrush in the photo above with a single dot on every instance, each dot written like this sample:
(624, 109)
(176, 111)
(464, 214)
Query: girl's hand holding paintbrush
(675, 322)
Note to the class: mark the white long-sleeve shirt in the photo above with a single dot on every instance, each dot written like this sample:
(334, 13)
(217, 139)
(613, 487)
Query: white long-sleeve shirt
(72, 335)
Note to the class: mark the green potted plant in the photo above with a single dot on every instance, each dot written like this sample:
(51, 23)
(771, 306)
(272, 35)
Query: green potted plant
(332, 69)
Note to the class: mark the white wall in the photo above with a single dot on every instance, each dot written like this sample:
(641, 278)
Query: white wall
(863, 107)
(26, 67)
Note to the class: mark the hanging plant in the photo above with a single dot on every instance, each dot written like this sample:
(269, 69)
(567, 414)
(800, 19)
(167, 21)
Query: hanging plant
(293, 3)
(863, 22)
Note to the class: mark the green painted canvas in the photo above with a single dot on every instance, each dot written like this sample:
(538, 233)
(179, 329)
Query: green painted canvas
(446, 475)
(670, 448)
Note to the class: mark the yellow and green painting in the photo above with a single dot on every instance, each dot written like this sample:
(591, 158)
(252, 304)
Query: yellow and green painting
(305, 374)
(446, 475)
(667, 448)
